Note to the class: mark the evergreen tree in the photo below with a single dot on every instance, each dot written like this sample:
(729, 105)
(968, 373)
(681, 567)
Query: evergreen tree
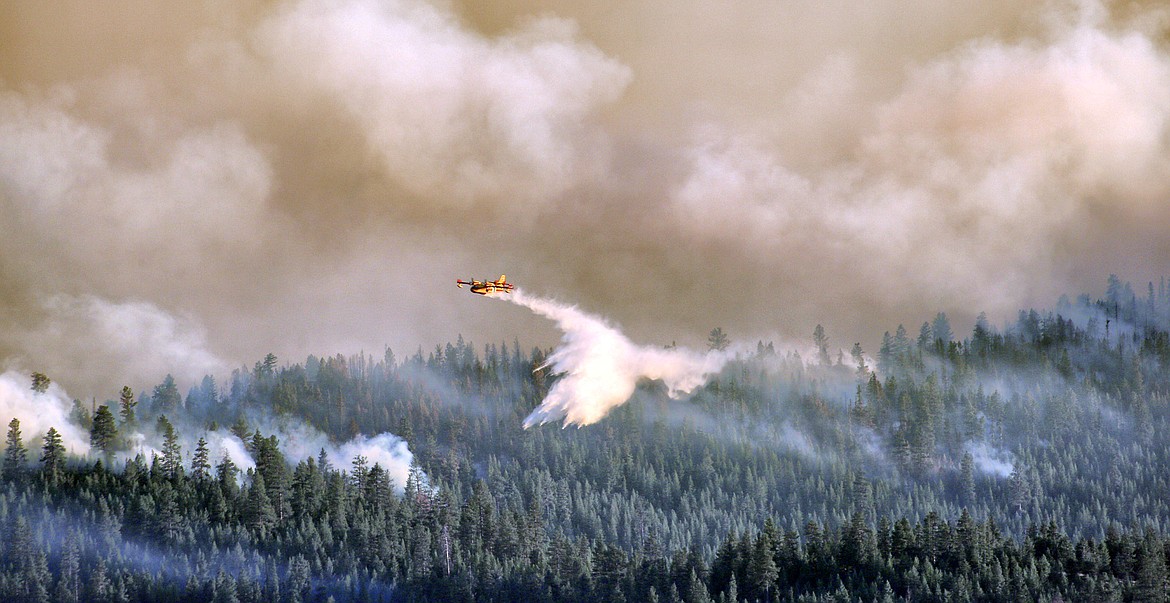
(126, 404)
(718, 340)
(200, 465)
(166, 397)
(762, 572)
(225, 474)
(99, 587)
(225, 589)
(941, 329)
(68, 588)
(53, 456)
(172, 459)
(265, 369)
(103, 436)
(258, 512)
(40, 383)
(697, 591)
(925, 338)
(967, 479)
(1151, 575)
(299, 579)
(821, 341)
(886, 354)
(15, 455)
(858, 359)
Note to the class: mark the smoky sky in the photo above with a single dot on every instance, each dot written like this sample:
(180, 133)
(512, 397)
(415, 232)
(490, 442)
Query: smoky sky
(186, 188)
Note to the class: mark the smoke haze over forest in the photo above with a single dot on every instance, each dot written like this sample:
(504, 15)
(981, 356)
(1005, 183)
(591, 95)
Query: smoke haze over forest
(189, 187)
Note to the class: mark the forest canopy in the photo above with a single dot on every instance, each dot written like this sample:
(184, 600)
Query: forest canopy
(1020, 460)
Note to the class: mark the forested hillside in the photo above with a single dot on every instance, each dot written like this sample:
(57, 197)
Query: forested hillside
(1024, 461)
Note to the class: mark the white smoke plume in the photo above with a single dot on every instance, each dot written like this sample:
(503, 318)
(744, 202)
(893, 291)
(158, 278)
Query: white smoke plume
(992, 460)
(299, 441)
(220, 443)
(599, 367)
(38, 412)
(385, 449)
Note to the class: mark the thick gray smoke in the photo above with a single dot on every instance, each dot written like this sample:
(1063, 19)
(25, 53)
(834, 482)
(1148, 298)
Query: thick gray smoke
(303, 176)
(599, 367)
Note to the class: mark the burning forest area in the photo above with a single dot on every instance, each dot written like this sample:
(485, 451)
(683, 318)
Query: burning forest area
(805, 301)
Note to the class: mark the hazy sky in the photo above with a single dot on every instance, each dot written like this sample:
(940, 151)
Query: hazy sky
(186, 187)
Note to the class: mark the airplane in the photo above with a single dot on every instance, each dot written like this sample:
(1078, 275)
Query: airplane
(487, 287)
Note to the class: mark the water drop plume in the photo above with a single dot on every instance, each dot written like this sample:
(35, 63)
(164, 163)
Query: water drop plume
(599, 367)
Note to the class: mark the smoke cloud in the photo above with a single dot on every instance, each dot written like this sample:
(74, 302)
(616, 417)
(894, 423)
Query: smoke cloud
(992, 460)
(300, 441)
(305, 176)
(419, 85)
(37, 412)
(97, 339)
(599, 367)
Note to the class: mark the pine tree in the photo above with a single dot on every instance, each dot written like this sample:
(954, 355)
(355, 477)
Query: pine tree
(20, 547)
(224, 589)
(36, 580)
(172, 459)
(886, 354)
(40, 383)
(32, 578)
(858, 548)
(925, 338)
(1150, 569)
(697, 591)
(967, 479)
(299, 578)
(15, 454)
(200, 466)
(265, 369)
(941, 329)
(103, 436)
(718, 340)
(821, 340)
(761, 569)
(859, 359)
(271, 464)
(901, 341)
(225, 474)
(258, 511)
(169, 519)
(99, 587)
(166, 396)
(68, 588)
(53, 456)
(126, 406)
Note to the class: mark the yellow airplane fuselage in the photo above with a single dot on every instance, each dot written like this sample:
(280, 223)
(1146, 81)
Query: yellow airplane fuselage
(488, 287)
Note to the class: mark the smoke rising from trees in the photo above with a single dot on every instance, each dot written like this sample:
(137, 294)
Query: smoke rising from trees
(40, 411)
(37, 412)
